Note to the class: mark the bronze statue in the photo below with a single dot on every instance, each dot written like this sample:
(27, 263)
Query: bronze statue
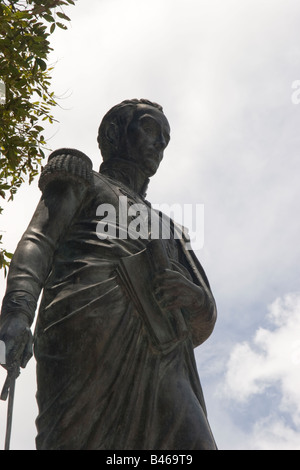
(120, 315)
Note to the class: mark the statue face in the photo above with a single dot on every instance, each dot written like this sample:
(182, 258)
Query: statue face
(148, 134)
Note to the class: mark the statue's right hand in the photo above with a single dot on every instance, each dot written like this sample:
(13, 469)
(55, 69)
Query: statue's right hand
(16, 334)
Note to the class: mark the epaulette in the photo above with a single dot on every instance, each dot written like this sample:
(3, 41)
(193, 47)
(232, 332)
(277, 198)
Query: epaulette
(67, 164)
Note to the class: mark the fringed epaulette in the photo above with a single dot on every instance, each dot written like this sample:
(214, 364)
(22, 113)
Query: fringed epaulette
(69, 165)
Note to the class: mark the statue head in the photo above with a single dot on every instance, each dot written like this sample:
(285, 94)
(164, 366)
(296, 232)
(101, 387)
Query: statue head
(137, 131)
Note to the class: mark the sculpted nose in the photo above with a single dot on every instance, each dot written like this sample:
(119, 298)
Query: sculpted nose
(160, 142)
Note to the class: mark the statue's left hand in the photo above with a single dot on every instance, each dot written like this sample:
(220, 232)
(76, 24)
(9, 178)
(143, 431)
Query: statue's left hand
(173, 290)
(16, 334)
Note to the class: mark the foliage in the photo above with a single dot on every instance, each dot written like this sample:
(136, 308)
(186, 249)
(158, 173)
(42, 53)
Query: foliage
(25, 27)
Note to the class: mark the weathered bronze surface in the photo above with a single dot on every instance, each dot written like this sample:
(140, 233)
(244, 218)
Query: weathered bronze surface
(119, 316)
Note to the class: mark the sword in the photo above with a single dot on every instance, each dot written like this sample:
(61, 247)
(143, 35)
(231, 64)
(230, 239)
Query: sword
(8, 390)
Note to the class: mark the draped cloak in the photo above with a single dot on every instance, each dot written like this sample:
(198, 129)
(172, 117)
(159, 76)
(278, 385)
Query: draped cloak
(101, 383)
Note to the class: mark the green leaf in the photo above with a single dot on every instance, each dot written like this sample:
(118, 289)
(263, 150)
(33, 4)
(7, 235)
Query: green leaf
(63, 16)
(61, 25)
(49, 18)
(42, 64)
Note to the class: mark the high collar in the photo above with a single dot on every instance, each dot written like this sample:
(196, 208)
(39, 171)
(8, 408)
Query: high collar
(127, 173)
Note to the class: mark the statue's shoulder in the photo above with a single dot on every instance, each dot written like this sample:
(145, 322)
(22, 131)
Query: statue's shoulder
(68, 165)
(105, 186)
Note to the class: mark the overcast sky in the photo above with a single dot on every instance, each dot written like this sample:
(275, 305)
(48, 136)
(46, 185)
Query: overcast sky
(225, 72)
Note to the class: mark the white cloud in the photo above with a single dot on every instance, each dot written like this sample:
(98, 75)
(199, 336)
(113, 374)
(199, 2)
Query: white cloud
(274, 434)
(271, 359)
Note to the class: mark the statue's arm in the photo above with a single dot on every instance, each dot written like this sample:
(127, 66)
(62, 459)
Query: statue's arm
(173, 290)
(32, 260)
(202, 316)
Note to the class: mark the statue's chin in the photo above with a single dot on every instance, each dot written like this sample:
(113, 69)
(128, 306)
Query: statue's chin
(150, 167)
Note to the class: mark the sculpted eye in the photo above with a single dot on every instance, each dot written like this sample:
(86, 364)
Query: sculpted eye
(149, 125)
(150, 128)
(155, 128)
